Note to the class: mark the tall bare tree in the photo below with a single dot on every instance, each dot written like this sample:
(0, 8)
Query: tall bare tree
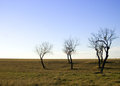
(43, 49)
(69, 48)
(106, 37)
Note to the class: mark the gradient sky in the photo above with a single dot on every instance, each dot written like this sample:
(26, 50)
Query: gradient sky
(26, 23)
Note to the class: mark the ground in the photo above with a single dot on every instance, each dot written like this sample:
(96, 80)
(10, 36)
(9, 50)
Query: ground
(29, 72)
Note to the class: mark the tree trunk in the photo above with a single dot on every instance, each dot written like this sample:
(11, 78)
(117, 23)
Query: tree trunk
(71, 62)
(102, 57)
(68, 58)
(102, 60)
(42, 63)
(99, 62)
(105, 59)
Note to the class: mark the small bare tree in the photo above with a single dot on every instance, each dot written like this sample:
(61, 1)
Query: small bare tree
(43, 49)
(106, 37)
(69, 48)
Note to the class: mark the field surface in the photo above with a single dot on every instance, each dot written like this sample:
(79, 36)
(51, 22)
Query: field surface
(29, 72)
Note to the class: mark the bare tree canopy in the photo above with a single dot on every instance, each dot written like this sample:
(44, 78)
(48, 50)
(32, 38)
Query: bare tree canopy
(106, 36)
(70, 45)
(102, 41)
(69, 48)
(43, 49)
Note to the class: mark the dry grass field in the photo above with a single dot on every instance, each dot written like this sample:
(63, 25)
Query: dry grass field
(29, 72)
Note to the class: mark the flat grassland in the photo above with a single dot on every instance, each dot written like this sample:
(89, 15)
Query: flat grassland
(29, 72)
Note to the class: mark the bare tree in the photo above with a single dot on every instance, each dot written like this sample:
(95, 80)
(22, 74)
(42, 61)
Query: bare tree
(43, 49)
(69, 48)
(106, 37)
(98, 48)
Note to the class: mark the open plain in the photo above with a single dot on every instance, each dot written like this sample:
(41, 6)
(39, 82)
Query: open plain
(29, 72)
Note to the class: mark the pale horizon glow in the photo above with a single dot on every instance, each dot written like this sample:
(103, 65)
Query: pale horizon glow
(26, 23)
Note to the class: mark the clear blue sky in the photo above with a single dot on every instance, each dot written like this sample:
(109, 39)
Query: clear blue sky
(26, 23)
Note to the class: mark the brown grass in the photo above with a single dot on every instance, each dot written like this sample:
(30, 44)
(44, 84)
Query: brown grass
(29, 72)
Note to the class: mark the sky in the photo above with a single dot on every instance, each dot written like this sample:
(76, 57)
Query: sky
(27, 23)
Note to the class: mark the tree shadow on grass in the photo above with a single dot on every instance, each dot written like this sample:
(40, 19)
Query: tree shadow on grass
(47, 69)
(99, 73)
(93, 63)
(97, 62)
(110, 62)
(75, 69)
(117, 81)
(113, 68)
(80, 69)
